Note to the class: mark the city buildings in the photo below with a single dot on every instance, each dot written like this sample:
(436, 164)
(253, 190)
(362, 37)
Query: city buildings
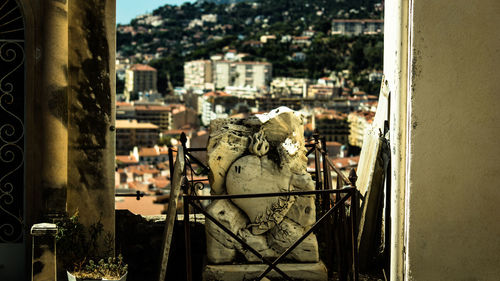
(140, 78)
(166, 117)
(289, 87)
(317, 91)
(130, 133)
(215, 105)
(253, 74)
(355, 27)
(332, 125)
(226, 71)
(198, 74)
(359, 122)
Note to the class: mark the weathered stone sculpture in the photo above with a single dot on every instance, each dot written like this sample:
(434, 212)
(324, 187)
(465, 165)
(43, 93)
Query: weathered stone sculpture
(261, 154)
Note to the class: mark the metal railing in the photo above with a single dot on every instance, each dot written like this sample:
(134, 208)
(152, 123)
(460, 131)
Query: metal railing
(339, 232)
(332, 209)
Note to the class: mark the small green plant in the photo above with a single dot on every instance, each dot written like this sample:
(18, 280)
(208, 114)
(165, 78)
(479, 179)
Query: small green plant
(113, 268)
(77, 244)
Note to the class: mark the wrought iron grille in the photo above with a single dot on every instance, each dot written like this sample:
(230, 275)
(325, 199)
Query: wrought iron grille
(12, 57)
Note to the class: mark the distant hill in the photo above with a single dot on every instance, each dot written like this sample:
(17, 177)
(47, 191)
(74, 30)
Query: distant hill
(175, 34)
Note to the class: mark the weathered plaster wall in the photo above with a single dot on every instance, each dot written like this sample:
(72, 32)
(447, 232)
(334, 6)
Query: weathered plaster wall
(453, 178)
(396, 71)
(91, 111)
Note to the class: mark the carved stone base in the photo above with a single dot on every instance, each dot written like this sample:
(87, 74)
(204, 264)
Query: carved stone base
(237, 272)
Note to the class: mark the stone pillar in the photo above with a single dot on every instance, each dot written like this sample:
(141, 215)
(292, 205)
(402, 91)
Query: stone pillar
(91, 121)
(53, 104)
(43, 265)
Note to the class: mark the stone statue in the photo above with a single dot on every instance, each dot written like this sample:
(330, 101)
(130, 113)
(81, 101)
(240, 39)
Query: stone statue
(260, 154)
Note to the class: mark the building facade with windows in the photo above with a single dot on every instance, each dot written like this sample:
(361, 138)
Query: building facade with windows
(242, 74)
(356, 27)
(130, 133)
(140, 78)
(198, 74)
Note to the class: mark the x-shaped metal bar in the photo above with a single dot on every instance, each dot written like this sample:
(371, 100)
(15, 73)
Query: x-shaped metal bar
(271, 265)
(241, 241)
(285, 253)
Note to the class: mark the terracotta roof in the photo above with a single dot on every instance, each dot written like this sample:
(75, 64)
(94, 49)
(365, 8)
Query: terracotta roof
(122, 103)
(160, 182)
(333, 143)
(217, 94)
(126, 159)
(301, 37)
(331, 114)
(146, 151)
(153, 108)
(368, 115)
(175, 132)
(150, 171)
(145, 206)
(202, 133)
(239, 115)
(142, 67)
(133, 124)
(162, 166)
(135, 185)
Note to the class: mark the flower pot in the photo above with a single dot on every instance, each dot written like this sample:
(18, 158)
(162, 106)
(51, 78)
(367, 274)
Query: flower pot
(71, 277)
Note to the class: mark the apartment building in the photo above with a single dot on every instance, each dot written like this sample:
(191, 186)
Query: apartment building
(332, 125)
(166, 117)
(242, 74)
(317, 90)
(359, 122)
(254, 74)
(222, 74)
(289, 87)
(198, 74)
(140, 78)
(351, 27)
(130, 133)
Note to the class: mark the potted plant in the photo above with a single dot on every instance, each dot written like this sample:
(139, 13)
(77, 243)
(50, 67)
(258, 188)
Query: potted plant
(77, 249)
(112, 269)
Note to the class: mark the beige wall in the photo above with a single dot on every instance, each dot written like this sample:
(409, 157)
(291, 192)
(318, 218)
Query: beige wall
(452, 177)
(91, 133)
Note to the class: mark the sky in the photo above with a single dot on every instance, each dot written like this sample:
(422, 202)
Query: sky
(129, 9)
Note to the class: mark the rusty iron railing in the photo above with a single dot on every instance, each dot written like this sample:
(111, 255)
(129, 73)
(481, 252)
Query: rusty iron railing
(332, 209)
(349, 192)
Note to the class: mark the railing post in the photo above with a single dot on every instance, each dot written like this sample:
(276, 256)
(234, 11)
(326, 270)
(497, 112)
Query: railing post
(354, 224)
(183, 140)
(187, 237)
(328, 234)
(317, 167)
(171, 162)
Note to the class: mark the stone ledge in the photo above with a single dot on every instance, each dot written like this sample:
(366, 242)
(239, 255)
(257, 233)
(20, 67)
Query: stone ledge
(238, 272)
